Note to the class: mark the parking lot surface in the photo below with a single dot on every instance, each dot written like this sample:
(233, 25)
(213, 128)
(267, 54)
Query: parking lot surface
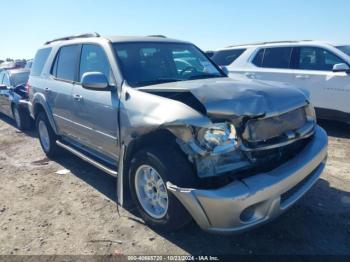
(44, 209)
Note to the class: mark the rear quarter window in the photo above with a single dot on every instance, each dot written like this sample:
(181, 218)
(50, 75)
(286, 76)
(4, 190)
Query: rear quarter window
(39, 61)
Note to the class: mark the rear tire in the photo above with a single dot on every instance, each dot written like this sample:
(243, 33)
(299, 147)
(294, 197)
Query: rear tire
(21, 117)
(47, 136)
(168, 164)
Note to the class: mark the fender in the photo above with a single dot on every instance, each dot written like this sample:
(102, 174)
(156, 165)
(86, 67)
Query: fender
(40, 99)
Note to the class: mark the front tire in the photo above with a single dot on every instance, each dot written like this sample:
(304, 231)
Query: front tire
(47, 136)
(150, 169)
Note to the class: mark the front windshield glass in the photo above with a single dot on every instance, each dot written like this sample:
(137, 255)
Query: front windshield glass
(147, 63)
(345, 49)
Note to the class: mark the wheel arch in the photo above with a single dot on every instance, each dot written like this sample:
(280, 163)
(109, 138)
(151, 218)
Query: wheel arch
(159, 137)
(40, 106)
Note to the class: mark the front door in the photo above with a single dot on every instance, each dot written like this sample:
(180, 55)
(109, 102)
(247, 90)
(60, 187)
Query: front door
(96, 112)
(313, 70)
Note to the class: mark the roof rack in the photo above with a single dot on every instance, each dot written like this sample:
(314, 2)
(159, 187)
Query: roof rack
(271, 42)
(73, 37)
(161, 36)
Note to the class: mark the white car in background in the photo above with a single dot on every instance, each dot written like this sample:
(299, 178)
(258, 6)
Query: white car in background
(321, 68)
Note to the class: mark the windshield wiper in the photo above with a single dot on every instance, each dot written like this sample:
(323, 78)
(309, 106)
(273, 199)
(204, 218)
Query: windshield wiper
(157, 81)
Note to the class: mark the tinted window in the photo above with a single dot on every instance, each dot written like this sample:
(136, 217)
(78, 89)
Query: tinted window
(258, 57)
(93, 59)
(39, 61)
(66, 66)
(314, 58)
(226, 57)
(278, 57)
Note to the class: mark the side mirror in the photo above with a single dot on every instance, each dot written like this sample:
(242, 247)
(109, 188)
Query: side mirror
(225, 70)
(3, 87)
(342, 67)
(94, 81)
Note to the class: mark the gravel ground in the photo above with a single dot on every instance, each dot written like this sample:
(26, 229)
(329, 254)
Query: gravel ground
(43, 212)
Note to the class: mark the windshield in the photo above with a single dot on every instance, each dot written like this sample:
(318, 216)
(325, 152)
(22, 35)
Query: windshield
(19, 78)
(345, 49)
(155, 63)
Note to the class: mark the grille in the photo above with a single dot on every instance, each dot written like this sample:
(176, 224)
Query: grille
(258, 130)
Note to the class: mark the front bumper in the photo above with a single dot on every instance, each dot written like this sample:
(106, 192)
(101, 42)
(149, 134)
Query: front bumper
(254, 200)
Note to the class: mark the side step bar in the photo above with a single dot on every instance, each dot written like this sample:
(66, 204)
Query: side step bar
(87, 159)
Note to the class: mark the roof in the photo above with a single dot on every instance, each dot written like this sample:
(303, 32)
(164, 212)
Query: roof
(120, 39)
(275, 43)
(115, 39)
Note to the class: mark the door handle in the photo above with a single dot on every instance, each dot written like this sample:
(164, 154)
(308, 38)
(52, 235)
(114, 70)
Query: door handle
(77, 97)
(302, 76)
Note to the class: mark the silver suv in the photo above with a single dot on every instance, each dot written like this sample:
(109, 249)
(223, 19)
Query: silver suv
(180, 136)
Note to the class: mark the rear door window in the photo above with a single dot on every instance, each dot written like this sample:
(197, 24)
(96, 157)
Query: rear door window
(277, 57)
(226, 57)
(39, 61)
(66, 63)
(257, 60)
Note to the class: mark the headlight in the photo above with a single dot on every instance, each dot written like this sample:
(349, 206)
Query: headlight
(217, 135)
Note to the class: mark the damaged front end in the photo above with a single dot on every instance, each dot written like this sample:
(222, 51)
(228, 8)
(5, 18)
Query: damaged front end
(246, 143)
(246, 160)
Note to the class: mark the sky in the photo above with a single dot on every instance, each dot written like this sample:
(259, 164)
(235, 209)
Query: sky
(209, 24)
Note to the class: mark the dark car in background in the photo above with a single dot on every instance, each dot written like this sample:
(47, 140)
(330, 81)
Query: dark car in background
(13, 96)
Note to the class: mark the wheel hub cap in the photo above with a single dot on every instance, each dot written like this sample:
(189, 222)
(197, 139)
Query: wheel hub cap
(151, 191)
(44, 136)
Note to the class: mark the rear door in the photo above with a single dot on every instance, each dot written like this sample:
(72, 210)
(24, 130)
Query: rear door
(313, 70)
(272, 64)
(95, 112)
(58, 92)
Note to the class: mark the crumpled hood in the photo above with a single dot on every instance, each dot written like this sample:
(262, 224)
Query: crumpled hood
(225, 97)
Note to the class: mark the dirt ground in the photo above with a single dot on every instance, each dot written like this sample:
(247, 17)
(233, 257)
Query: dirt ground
(42, 212)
